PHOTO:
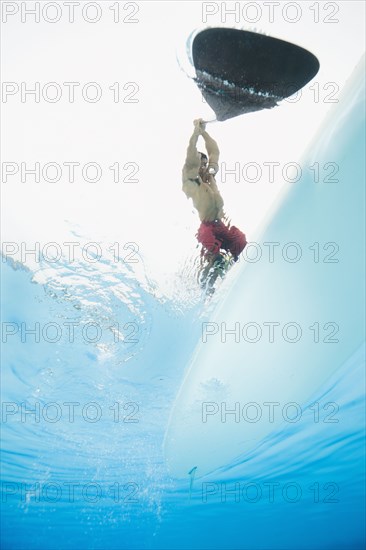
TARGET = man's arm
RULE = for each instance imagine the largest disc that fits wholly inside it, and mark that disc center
(192, 164)
(212, 150)
(193, 159)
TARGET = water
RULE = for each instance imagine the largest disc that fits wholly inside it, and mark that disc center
(86, 470)
(86, 402)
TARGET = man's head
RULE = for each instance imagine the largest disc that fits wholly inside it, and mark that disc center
(204, 162)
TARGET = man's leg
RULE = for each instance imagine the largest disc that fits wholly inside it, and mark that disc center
(210, 252)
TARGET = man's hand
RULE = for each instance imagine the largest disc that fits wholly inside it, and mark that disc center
(199, 125)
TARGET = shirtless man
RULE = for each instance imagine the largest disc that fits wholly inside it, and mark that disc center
(199, 184)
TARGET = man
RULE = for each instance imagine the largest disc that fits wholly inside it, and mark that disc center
(199, 184)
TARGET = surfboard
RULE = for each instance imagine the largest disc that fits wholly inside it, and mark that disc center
(285, 326)
(240, 71)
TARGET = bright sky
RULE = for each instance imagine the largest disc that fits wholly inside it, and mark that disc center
(148, 132)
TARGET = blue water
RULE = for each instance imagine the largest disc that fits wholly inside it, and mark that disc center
(86, 470)
(129, 500)
(321, 460)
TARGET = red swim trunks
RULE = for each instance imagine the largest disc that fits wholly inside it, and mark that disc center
(215, 235)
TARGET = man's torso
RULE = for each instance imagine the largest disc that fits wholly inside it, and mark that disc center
(206, 198)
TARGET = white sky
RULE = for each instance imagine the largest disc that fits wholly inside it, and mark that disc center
(153, 132)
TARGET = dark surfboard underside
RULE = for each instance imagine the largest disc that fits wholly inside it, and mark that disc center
(240, 71)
